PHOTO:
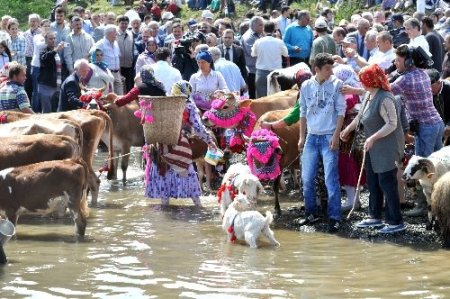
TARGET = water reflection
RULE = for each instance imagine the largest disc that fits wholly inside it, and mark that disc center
(134, 248)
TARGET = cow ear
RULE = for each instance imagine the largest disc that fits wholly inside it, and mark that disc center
(110, 97)
(245, 103)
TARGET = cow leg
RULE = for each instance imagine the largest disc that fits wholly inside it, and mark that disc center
(124, 161)
(208, 171)
(276, 189)
(79, 210)
(94, 185)
(115, 162)
(200, 172)
(12, 215)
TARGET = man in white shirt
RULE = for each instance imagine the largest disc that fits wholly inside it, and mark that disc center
(412, 28)
(229, 70)
(111, 54)
(283, 21)
(164, 72)
(268, 51)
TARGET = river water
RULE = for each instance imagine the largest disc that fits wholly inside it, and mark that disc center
(135, 249)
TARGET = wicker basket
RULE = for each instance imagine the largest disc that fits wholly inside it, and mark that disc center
(168, 115)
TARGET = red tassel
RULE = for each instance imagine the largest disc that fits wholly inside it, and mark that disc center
(230, 229)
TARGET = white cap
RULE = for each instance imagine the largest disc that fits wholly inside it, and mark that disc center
(320, 23)
(167, 15)
(207, 14)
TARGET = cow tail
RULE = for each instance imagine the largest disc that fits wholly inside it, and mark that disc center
(80, 137)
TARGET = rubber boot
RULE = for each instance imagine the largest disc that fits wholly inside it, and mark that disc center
(421, 206)
(348, 205)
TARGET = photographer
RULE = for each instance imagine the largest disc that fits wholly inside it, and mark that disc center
(414, 86)
(184, 57)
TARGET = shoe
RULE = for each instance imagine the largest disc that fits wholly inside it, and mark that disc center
(406, 205)
(370, 222)
(333, 226)
(391, 229)
(310, 219)
(416, 212)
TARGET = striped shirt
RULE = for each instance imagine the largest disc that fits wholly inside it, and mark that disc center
(13, 97)
(18, 47)
(415, 89)
(29, 44)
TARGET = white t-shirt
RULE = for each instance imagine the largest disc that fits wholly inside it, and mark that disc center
(39, 46)
(268, 51)
(421, 41)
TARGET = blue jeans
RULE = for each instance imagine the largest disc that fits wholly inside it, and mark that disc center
(316, 147)
(35, 102)
(429, 138)
(383, 186)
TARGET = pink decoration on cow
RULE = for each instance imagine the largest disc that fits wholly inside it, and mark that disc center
(263, 155)
(145, 113)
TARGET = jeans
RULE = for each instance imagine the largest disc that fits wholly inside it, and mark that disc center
(45, 95)
(429, 138)
(316, 147)
(383, 186)
(35, 102)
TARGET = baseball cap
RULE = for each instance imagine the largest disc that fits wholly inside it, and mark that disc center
(207, 14)
(192, 22)
(320, 24)
(167, 15)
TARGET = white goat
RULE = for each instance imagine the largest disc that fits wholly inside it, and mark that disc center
(238, 180)
(247, 225)
(427, 171)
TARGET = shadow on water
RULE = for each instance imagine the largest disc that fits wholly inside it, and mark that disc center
(52, 237)
(183, 212)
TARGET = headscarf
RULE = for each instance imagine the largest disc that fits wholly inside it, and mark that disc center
(374, 77)
(148, 77)
(204, 55)
(347, 75)
(101, 65)
(181, 87)
(301, 76)
(147, 52)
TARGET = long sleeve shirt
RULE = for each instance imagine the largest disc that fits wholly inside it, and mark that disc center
(78, 46)
(301, 37)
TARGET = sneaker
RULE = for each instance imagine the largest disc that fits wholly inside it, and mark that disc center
(310, 219)
(391, 229)
(370, 222)
(333, 226)
(416, 212)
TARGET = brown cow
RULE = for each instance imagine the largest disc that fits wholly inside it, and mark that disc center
(93, 123)
(29, 149)
(278, 101)
(33, 186)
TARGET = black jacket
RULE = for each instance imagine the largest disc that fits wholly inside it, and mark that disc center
(69, 97)
(48, 74)
(238, 58)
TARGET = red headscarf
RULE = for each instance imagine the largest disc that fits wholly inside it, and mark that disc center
(373, 76)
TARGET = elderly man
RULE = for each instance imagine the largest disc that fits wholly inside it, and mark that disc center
(78, 44)
(12, 94)
(299, 38)
(229, 71)
(441, 97)
(362, 28)
(111, 54)
(412, 27)
(247, 41)
(69, 97)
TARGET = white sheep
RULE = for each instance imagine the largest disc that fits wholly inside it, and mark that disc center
(427, 171)
(440, 205)
(241, 224)
(238, 180)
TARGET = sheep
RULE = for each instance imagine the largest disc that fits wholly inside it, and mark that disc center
(440, 206)
(238, 179)
(241, 224)
(427, 171)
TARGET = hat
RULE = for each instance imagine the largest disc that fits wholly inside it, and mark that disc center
(433, 74)
(167, 15)
(320, 24)
(207, 14)
(192, 22)
(350, 40)
(397, 17)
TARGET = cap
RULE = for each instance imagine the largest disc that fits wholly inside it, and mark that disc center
(207, 14)
(167, 15)
(320, 24)
(397, 17)
(192, 22)
(350, 40)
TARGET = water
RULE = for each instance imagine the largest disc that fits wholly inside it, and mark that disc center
(135, 249)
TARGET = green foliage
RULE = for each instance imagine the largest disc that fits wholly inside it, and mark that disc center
(20, 9)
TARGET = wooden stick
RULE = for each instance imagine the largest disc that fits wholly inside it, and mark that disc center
(357, 186)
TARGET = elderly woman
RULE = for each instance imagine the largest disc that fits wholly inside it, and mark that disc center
(167, 177)
(380, 117)
(99, 76)
(148, 56)
(206, 81)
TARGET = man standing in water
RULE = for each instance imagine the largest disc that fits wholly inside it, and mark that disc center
(322, 110)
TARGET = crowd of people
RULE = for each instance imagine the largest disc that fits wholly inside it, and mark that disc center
(381, 74)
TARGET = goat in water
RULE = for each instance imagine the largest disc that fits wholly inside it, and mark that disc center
(247, 225)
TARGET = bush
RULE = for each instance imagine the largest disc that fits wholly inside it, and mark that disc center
(20, 9)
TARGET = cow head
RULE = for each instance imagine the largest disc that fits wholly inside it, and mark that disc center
(418, 168)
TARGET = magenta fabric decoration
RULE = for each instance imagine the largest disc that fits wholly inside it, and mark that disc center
(145, 113)
(264, 155)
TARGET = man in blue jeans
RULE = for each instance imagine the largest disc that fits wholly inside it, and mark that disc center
(322, 110)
